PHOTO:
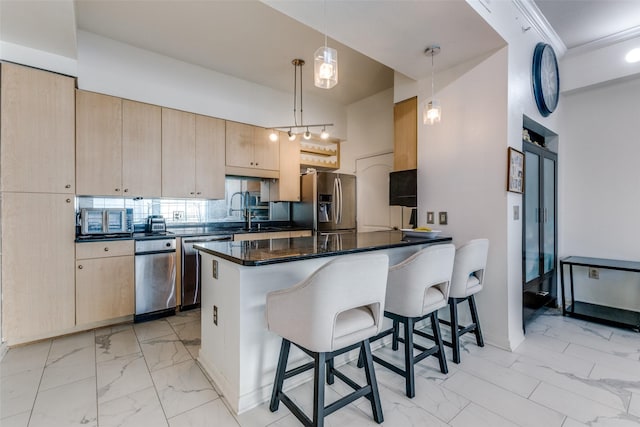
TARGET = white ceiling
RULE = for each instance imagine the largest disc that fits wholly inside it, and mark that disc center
(256, 41)
(595, 23)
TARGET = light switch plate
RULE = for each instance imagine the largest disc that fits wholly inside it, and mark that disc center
(442, 218)
(430, 218)
(516, 213)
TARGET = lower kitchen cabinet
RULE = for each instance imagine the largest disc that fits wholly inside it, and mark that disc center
(104, 281)
(38, 298)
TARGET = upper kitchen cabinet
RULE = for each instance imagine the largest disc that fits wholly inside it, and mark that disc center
(250, 152)
(141, 149)
(192, 155)
(118, 144)
(287, 187)
(36, 129)
(405, 134)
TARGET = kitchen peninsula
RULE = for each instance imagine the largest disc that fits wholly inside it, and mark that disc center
(237, 351)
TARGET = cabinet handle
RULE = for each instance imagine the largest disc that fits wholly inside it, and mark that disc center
(80, 267)
(68, 200)
(106, 249)
(67, 186)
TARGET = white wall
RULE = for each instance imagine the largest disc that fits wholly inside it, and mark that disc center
(114, 68)
(600, 204)
(461, 171)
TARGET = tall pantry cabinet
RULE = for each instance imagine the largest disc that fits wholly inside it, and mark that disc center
(37, 175)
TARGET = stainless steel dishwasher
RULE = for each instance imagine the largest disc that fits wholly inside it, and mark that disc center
(191, 269)
(155, 278)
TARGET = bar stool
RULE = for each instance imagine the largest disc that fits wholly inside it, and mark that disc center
(416, 288)
(466, 281)
(335, 310)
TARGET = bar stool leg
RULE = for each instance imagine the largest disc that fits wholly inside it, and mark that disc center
(280, 370)
(408, 358)
(318, 389)
(455, 332)
(474, 318)
(376, 407)
(435, 327)
(396, 332)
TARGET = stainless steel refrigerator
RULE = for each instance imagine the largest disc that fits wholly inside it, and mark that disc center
(327, 202)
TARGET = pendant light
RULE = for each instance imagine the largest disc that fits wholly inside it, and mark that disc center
(432, 111)
(325, 62)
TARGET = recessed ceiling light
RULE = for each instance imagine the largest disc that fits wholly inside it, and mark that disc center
(633, 55)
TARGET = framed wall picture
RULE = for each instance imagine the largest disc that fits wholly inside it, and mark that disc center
(515, 171)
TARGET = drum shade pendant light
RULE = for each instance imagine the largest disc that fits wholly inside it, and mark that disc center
(325, 62)
(291, 129)
(432, 111)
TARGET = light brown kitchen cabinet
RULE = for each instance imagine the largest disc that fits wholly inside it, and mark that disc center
(118, 145)
(104, 281)
(210, 157)
(141, 149)
(287, 187)
(37, 130)
(192, 155)
(38, 300)
(405, 134)
(250, 152)
(98, 144)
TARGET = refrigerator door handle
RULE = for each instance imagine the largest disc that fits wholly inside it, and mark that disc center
(339, 201)
(334, 201)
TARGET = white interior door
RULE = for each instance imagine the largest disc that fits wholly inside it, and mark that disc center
(374, 212)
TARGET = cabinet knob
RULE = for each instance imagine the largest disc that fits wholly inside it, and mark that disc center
(68, 200)
(198, 193)
(117, 189)
(106, 249)
(192, 193)
(126, 190)
(251, 163)
(67, 186)
(80, 267)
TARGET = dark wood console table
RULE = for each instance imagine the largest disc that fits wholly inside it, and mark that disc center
(595, 312)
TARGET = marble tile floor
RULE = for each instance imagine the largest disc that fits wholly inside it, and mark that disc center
(567, 373)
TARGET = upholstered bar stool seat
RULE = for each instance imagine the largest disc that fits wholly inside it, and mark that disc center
(335, 310)
(416, 288)
(466, 281)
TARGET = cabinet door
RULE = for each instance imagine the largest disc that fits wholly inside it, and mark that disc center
(37, 265)
(287, 187)
(104, 288)
(239, 145)
(266, 153)
(178, 153)
(210, 159)
(141, 149)
(37, 129)
(98, 144)
(405, 134)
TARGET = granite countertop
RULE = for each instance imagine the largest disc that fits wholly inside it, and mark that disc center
(272, 251)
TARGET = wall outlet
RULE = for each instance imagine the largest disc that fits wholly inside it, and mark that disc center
(178, 215)
(215, 315)
(516, 213)
(594, 273)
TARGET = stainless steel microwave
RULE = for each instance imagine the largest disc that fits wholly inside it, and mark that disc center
(103, 221)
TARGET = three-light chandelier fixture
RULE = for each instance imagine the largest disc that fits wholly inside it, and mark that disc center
(296, 127)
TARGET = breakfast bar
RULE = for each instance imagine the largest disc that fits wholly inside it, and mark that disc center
(237, 351)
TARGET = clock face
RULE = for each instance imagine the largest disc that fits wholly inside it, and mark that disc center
(546, 79)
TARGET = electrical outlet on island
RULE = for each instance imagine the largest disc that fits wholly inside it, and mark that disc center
(594, 273)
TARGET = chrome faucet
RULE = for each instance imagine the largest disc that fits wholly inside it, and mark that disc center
(247, 210)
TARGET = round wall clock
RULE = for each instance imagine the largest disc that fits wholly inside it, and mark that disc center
(546, 79)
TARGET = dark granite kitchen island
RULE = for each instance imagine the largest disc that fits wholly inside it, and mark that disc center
(237, 350)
